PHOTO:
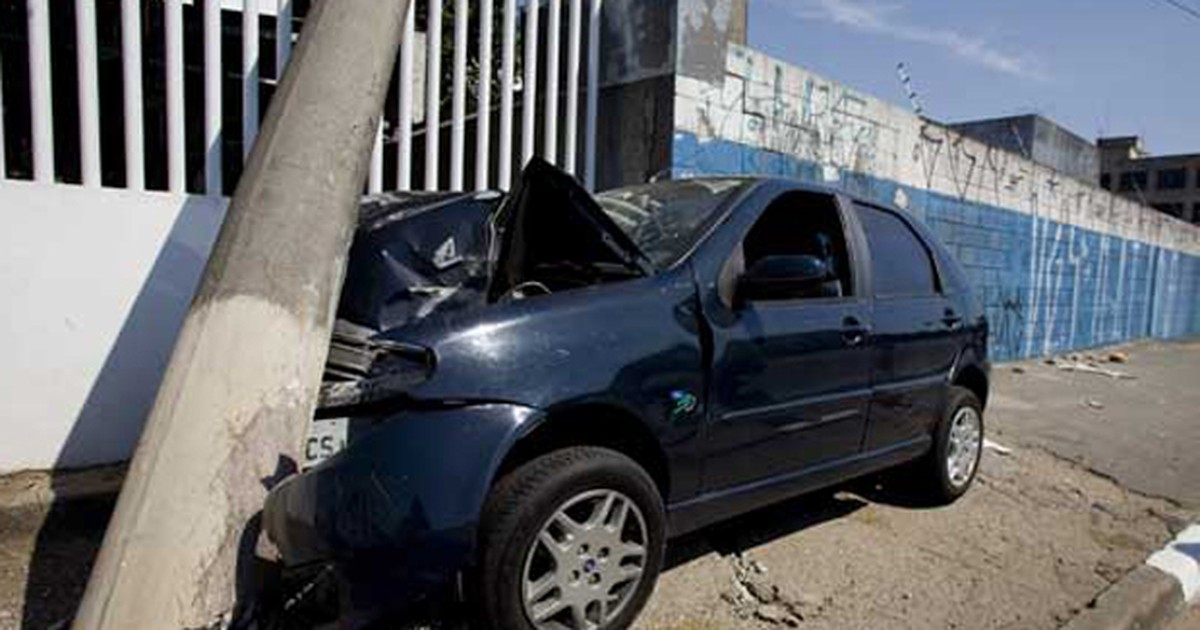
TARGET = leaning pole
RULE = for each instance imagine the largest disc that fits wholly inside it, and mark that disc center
(242, 381)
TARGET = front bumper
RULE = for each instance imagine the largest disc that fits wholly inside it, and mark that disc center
(396, 512)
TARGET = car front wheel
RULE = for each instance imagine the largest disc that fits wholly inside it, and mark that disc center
(573, 539)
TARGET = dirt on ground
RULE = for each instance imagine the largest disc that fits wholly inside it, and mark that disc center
(1045, 530)
(1033, 543)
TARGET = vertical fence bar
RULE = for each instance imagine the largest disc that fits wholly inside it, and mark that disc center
(483, 121)
(89, 92)
(433, 88)
(529, 83)
(508, 62)
(550, 114)
(458, 121)
(249, 75)
(176, 168)
(212, 97)
(131, 77)
(593, 93)
(3, 166)
(40, 94)
(375, 176)
(574, 41)
(404, 117)
(41, 97)
(283, 36)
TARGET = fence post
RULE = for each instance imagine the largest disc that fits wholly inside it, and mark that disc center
(529, 83)
(213, 135)
(433, 88)
(458, 108)
(574, 41)
(550, 114)
(404, 117)
(483, 124)
(508, 64)
(250, 74)
(593, 93)
(41, 96)
(176, 165)
(89, 92)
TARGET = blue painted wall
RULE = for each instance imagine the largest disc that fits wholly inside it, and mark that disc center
(1048, 287)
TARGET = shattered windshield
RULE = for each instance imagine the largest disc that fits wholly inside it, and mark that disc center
(665, 219)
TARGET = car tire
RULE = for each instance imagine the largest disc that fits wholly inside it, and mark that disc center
(951, 466)
(555, 520)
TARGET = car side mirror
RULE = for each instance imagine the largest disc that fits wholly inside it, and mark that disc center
(783, 277)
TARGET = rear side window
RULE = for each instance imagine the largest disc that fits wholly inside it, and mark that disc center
(900, 262)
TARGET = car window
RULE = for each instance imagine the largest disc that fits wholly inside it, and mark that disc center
(900, 262)
(665, 219)
(803, 224)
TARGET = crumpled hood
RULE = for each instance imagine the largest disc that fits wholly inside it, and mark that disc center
(419, 255)
(416, 254)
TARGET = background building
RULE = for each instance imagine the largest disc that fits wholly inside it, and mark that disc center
(1168, 183)
(1038, 139)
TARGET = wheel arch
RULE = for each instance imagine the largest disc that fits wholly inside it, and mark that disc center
(603, 425)
(974, 378)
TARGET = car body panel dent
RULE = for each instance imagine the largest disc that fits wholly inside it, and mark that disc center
(399, 505)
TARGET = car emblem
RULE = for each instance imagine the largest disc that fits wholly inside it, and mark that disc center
(685, 404)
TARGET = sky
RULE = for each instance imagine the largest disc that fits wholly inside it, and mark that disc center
(1097, 67)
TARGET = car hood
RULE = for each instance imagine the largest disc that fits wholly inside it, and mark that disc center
(417, 256)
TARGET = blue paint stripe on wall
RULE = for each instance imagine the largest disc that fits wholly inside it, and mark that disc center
(1082, 289)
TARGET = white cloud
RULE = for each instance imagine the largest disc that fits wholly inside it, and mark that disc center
(887, 19)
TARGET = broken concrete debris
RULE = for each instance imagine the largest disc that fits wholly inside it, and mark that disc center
(1118, 357)
(1089, 367)
(754, 596)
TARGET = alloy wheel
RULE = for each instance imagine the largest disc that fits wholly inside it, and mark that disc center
(585, 563)
(965, 440)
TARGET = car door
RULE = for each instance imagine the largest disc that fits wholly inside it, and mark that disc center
(915, 330)
(790, 375)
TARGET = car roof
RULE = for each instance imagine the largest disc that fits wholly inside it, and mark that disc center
(755, 180)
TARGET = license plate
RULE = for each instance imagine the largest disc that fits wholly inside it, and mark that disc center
(325, 438)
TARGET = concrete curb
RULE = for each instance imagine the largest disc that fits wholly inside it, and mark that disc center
(1151, 595)
(1145, 598)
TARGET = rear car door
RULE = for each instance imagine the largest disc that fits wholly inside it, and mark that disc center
(915, 330)
(790, 375)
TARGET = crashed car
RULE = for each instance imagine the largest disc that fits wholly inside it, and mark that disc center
(527, 395)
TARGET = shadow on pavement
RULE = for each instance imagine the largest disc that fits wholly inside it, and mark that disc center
(66, 547)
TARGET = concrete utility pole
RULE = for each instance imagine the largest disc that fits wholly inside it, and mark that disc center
(242, 381)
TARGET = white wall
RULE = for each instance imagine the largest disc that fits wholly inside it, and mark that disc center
(95, 284)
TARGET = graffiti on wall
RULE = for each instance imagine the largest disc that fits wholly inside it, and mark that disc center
(1059, 263)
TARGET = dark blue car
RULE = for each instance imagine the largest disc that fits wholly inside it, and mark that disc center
(528, 395)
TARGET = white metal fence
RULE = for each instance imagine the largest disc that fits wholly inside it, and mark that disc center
(477, 150)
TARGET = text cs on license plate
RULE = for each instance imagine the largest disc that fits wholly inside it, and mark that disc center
(325, 438)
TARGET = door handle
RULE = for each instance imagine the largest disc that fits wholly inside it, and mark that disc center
(853, 331)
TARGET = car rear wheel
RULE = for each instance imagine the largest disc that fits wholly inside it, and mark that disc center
(571, 540)
(958, 444)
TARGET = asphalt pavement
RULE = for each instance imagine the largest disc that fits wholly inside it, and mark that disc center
(1143, 430)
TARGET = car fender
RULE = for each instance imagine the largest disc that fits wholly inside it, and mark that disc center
(403, 502)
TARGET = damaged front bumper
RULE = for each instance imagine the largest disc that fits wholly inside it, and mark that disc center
(395, 513)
